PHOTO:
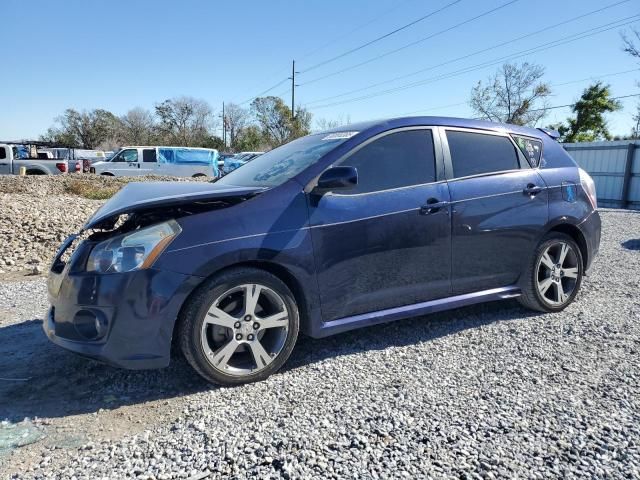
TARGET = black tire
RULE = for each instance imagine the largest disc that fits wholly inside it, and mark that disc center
(531, 296)
(192, 317)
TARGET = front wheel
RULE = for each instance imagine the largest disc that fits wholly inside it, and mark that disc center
(239, 327)
(554, 275)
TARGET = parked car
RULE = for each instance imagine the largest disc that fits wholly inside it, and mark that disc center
(13, 157)
(177, 161)
(319, 236)
(237, 160)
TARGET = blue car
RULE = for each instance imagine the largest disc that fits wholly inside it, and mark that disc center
(239, 159)
(356, 226)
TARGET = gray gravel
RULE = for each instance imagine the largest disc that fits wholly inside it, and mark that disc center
(491, 391)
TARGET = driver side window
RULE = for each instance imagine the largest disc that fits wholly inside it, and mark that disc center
(396, 160)
(130, 155)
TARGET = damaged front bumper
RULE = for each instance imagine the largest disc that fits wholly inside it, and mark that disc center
(123, 319)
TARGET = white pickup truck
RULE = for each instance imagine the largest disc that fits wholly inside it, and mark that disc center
(43, 163)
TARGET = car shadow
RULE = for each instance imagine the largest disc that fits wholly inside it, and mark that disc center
(39, 379)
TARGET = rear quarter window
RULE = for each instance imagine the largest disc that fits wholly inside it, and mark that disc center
(531, 148)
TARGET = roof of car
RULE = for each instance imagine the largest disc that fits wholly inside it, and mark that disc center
(435, 121)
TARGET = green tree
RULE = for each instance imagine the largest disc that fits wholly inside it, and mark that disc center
(588, 123)
(250, 139)
(275, 121)
(137, 127)
(86, 129)
(514, 94)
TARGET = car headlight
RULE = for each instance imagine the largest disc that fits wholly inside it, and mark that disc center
(133, 250)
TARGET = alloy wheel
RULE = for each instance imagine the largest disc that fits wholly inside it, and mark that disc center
(245, 329)
(557, 273)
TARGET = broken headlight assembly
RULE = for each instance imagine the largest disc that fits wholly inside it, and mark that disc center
(134, 250)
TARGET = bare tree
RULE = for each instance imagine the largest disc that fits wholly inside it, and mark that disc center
(236, 119)
(324, 124)
(514, 94)
(632, 43)
(185, 121)
(136, 127)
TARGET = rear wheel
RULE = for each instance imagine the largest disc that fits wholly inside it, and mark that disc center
(554, 275)
(239, 327)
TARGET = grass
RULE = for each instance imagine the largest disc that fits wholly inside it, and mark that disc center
(91, 190)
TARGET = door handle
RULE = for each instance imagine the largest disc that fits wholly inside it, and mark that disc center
(3, 164)
(433, 205)
(532, 189)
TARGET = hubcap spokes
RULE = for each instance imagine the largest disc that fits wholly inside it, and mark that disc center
(557, 273)
(245, 329)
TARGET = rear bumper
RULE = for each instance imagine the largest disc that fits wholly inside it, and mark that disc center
(591, 228)
(123, 319)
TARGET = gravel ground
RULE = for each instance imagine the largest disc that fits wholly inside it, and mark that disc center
(37, 213)
(490, 391)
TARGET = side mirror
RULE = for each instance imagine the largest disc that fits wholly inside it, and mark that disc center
(337, 178)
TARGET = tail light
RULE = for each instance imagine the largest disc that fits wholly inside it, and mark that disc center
(78, 167)
(589, 187)
(62, 167)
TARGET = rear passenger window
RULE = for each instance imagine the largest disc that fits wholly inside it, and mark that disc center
(396, 160)
(530, 148)
(149, 155)
(478, 153)
(3, 153)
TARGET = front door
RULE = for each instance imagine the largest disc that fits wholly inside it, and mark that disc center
(379, 245)
(126, 163)
(499, 207)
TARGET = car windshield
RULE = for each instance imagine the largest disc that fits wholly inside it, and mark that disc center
(280, 164)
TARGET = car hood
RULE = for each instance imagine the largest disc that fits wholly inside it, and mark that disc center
(141, 196)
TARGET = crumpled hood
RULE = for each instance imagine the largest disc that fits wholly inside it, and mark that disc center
(139, 196)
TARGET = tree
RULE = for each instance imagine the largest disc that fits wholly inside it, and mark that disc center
(251, 140)
(235, 121)
(514, 94)
(137, 127)
(274, 119)
(630, 45)
(86, 129)
(323, 124)
(588, 123)
(184, 121)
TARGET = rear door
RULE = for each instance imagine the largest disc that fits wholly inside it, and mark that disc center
(149, 164)
(377, 246)
(499, 207)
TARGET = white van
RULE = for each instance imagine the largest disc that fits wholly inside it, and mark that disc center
(174, 161)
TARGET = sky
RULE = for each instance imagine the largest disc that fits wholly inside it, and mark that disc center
(118, 54)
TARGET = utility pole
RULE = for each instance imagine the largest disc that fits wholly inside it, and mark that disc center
(293, 90)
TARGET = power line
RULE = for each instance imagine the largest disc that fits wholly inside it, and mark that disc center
(440, 107)
(598, 76)
(424, 39)
(574, 104)
(266, 91)
(359, 27)
(546, 46)
(477, 52)
(386, 35)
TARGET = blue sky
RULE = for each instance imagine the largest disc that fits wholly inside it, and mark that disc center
(121, 54)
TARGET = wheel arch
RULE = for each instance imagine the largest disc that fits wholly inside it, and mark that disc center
(280, 271)
(576, 234)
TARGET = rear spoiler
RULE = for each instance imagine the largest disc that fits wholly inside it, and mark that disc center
(552, 133)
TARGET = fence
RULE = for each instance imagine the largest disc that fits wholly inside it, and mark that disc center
(615, 169)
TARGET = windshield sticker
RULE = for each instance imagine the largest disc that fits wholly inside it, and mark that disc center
(339, 135)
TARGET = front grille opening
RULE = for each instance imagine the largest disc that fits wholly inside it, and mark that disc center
(632, 244)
